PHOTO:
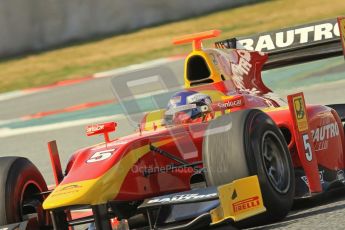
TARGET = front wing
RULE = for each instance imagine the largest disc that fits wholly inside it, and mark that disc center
(228, 203)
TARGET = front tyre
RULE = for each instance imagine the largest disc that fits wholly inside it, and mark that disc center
(249, 143)
(20, 185)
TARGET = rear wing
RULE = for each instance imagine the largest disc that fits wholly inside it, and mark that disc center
(295, 45)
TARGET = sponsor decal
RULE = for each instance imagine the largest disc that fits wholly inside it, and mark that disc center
(94, 128)
(323, 134)
(73, 186)
(67, 190)
(300, 113)
(245, 205)
(241, 70)
(184, 197)
(321, 173)
(244, 66)
(292, 37)
(230, 104)
(100, 128)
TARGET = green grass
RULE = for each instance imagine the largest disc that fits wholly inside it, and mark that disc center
(78, 60)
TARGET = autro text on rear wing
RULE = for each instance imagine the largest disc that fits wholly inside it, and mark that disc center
(295, 45)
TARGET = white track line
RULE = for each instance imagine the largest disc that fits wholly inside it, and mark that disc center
(13, 94)
(7, 132)
(126, 69)
(5, 122)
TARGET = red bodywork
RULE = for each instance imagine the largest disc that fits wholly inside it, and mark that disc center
(137, 172)
(145, 180)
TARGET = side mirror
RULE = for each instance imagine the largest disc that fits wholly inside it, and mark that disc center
(104, 128)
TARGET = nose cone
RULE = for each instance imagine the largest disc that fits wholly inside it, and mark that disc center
(83, 192)
(105, 185)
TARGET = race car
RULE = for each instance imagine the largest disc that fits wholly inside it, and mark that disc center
(225, 150)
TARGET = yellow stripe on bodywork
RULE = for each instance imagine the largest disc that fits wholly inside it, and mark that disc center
(271, 109)
(215, 95)
(154, 118)
(101, 189)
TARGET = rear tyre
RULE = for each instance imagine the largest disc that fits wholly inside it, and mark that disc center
(249, 143)
(20, 185)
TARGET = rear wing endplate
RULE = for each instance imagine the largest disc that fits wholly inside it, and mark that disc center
(295, 45)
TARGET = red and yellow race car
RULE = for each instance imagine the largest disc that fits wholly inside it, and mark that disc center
(224, 150)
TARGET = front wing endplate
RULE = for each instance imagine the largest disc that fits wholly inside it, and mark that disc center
(239, 200)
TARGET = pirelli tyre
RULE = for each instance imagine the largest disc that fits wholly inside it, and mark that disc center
(20, 187)
(246, 143)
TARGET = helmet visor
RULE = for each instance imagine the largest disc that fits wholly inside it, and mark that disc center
(183, 112)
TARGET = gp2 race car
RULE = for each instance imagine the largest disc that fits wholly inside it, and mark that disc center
(225, 150)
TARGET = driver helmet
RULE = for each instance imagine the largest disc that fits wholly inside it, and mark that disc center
(187, 106)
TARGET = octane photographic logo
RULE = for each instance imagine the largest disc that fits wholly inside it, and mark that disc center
(144, 90)
(150, 89)
(148, 170)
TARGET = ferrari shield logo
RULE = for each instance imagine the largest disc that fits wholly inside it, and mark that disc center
(300, 113)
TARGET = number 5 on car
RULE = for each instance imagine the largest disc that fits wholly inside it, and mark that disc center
(303, 139)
